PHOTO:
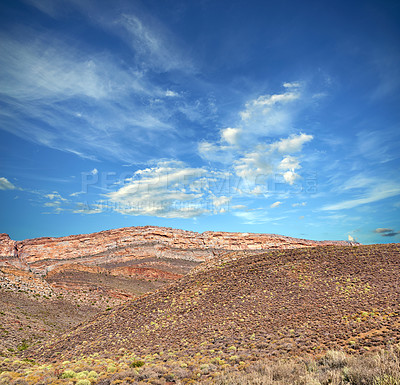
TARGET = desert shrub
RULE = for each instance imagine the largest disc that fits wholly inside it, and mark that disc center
(68, 374)
(5, 378)
(379, 369)
(289, 372)
(148, 372)
(136, 364)
(334, 359)
(83, 374)
(181, 373)
(335, 368)
(132, 373)
(24, 345)
(261, 367)
(386, 380)
(84, 382)
(111, 368)
(104, 381)
(92, 374)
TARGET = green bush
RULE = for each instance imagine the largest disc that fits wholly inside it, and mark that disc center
(68, 374)
(83, 382)
(136, 364)
(92, 374)
(24, 345)
(83, 374)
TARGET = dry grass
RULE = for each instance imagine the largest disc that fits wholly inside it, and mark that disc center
(335, 368)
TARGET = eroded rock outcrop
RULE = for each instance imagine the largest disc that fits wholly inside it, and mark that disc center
(120, 246)
(9, 256)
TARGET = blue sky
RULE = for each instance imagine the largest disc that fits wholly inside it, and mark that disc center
(253, 116)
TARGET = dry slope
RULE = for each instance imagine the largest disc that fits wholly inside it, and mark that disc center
(275, 303)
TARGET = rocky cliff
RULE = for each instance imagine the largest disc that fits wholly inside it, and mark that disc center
(119, 247)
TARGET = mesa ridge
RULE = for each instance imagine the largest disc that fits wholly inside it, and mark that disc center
(120, 246)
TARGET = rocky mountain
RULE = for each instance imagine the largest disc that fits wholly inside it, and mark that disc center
(101, 270)
(120, 247)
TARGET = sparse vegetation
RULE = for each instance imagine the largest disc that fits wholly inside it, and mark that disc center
(276, 304)
(315, 316)
(333, 368)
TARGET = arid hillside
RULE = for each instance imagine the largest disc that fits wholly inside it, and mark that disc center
(278, 303)
(33, 308)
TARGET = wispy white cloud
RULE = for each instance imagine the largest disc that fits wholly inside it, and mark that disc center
(255, 165)
(299, 204)
(275, 204)
(221, 200)
(253, 217)
(88, 209)
(292, 84)
(256, 216)
(377, 146)
(151, 41)
(216, 153)
(270, 115)
(85, 104)
(289, 163)
(171, 94)
(247, 144)
(381, 230)
(52, 8)
(54, 196)
(155, 47)
(45, 67)
(5, 184)
(373, 190)
(54, 201)
(294, 143)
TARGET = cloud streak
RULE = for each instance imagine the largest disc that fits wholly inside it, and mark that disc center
(5, 184)
(94, 104)
(373, 192)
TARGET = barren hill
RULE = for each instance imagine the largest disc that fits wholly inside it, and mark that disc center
(282, 302)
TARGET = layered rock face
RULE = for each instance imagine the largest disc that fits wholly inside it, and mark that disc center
(9, 253)
(119, 247)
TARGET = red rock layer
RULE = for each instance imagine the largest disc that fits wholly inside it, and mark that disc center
(131, 243)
